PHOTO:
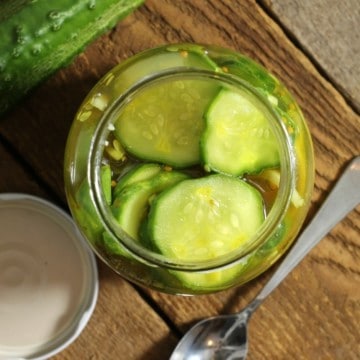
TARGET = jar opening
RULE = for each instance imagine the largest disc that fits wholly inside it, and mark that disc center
(178, 77)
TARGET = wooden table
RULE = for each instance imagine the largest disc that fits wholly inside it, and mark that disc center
(313, 47)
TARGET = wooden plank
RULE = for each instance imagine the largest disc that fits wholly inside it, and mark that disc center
(329, 31)
(321, 298)
(123, 326)
(16, 178)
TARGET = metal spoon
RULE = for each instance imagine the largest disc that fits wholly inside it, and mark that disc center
(225, 336)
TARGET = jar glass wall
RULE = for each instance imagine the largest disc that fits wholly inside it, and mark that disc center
(155, 129)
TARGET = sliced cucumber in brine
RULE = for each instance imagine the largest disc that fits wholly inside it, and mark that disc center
(84, 208)
(163, 123)
(238, 138)
(105, 176)
(136, 174)
(201, 219)
(130, 205)
(251, 72)
(174, 56)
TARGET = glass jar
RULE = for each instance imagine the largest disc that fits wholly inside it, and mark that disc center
(152, 112)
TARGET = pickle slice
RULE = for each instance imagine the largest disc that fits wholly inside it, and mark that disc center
(131, 204)
(201, 219)
(163, 123)
(238, 138)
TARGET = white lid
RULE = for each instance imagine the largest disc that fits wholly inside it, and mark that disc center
(48, 278)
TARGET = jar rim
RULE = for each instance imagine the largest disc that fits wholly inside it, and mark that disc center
(272, 220)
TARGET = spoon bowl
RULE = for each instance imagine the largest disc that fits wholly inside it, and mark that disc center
(218, 337)
(224, 337)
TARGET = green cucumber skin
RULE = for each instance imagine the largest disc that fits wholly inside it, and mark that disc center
(37, 37)
(253, 154)
(136, 174)
(130, 205)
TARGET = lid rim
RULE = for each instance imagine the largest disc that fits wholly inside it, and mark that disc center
(89, 295)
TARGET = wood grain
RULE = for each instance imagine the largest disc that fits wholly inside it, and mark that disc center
(315, 314)
(123, 326)
(15, 177)
(329, 32)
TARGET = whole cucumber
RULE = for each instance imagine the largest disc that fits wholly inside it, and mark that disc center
(37, 37)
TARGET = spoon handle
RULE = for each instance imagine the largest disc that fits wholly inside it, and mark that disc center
(344, 197)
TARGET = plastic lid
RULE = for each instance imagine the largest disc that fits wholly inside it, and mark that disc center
(48, 278)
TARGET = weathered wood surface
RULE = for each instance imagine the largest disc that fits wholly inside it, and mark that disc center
(315, 313)
(329, 32)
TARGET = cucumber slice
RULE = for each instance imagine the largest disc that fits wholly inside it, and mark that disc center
(131, 205)
(238, 138)
(215, 280)
(200, 219)
(164, 122)
(252, 72)
(136, 174)
(84, 210)
(111, 246)
(105, 176)
(174, 56)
